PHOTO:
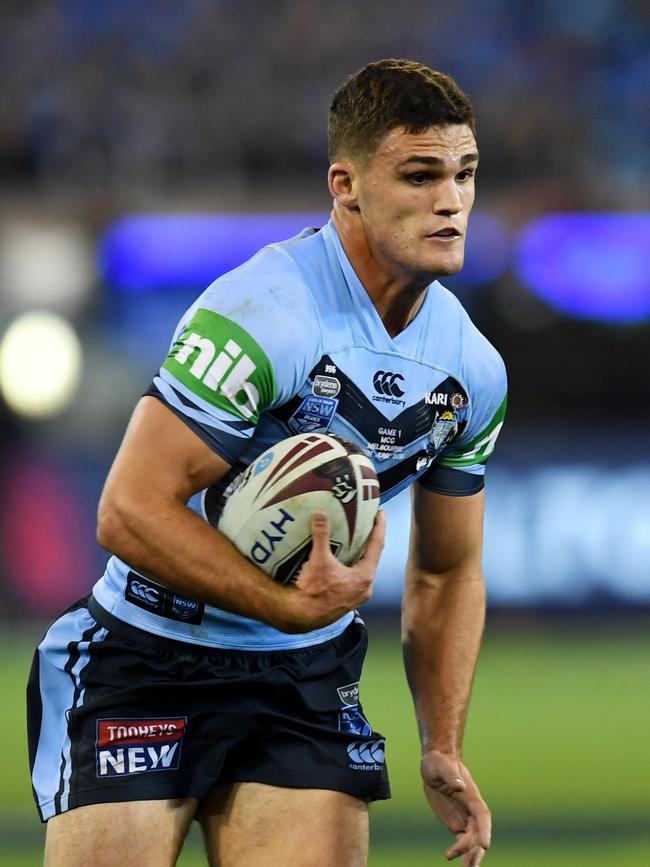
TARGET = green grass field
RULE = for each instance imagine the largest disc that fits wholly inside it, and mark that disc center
(557, 738)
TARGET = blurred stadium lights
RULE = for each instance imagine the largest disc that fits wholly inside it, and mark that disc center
(592, 266)
(160, 251)
(163, 251)
(45, 265)
(40, 364)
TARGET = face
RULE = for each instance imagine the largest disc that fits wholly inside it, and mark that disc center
(415, 195)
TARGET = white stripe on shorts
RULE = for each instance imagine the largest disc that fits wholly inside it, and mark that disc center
(61, 691)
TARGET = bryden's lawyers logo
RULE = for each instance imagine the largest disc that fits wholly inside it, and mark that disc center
(217, 359)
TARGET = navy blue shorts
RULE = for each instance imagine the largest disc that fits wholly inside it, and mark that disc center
(118, 714)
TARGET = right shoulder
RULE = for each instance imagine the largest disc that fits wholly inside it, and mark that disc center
(264, 310)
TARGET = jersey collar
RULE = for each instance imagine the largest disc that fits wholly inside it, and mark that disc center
(365, 319)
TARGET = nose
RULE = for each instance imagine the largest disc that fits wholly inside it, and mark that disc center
(447, 200)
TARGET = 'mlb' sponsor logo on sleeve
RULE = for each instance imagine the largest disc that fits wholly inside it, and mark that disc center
(132, 746)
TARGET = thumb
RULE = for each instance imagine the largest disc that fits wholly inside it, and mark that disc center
(320, 533)
(442, 773)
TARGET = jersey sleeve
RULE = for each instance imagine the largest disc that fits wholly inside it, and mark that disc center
(245, 346)
(459, 470)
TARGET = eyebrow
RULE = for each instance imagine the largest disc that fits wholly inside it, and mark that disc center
(438, 162)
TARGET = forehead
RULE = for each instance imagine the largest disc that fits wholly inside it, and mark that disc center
(449, 143)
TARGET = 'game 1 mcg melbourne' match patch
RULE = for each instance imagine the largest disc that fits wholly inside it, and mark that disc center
(131, 746)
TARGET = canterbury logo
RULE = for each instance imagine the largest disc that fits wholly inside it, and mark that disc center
(367, 752)
(147, 594)
(228, 372)
(386, 383)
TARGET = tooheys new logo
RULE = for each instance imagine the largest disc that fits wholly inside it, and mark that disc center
(220, 362)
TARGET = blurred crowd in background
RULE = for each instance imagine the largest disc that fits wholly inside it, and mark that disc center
(157, 96)
(110, 109)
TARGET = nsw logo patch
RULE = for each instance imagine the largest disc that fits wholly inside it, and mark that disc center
(351, 719)
(353, 722)
(313, 414)
(134, 746)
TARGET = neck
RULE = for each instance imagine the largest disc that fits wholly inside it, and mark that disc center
(396, 294)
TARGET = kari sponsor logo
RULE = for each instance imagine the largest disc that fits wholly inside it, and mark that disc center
(436, 398)
(133, 746)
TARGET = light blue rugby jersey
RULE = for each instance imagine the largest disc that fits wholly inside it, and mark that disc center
(290, 343)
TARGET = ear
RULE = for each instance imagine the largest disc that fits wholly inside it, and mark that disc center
(341, 182)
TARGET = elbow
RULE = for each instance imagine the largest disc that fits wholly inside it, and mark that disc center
(423, 582)
(107, 529)
(114, 527)
(418, 581)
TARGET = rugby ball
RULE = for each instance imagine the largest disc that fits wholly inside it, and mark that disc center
(268, 508)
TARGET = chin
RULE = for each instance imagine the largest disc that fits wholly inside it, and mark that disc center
(447, 267)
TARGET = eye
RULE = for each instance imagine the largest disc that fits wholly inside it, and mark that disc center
(418, 178)
(465, 175)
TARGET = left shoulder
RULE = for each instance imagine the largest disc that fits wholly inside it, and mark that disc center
(479, 362)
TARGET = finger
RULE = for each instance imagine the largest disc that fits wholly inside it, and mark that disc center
(483, 827)
(474, 857)
(464, 843)
(376, 541)
(320, 534)
(480, 816)
(449, 811)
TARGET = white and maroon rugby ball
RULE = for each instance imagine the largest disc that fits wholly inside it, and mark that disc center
(268, 514)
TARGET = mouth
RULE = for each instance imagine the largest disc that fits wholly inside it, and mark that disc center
(449, 233)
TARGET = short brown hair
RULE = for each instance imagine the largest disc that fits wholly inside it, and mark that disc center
(391, 93)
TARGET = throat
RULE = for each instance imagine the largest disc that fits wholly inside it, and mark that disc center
(396, 313)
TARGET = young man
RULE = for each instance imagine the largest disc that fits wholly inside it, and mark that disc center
(189, 685)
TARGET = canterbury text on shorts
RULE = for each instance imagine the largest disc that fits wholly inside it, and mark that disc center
(117, 714)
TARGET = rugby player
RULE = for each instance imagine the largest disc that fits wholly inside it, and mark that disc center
(189, 685)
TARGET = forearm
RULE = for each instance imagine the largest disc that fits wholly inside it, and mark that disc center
(173, 545)
(442, 624)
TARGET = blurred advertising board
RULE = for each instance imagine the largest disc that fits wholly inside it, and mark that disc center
(567, 533)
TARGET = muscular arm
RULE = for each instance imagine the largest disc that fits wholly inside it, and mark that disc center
(443, 615)
(144, 519)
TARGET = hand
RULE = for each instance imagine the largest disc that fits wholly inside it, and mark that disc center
(454, 797)
(326, 589)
